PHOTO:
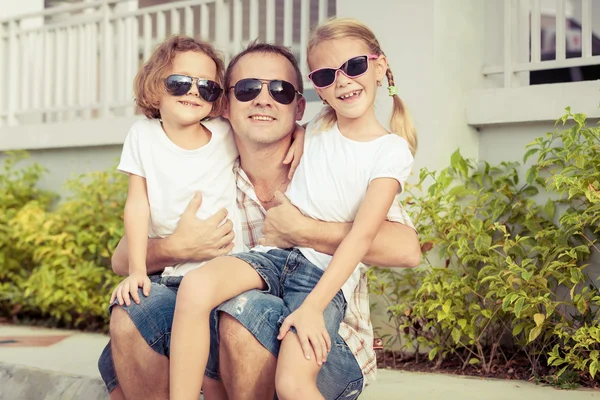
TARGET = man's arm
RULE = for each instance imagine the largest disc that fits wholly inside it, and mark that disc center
(395, 246)
(193, 240)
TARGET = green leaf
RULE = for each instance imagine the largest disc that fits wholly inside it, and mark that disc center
(446, 306)
(593, 369)
(532, 174)
(519, 306)
(517, 329)
(462, 322)
(529, 153)
(433, 353)
(535, 332)
(539, 319)
(550, 208)
(456, 335)
(474, 361)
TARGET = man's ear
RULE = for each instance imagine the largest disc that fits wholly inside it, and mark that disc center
(300, 108)
(226, 109)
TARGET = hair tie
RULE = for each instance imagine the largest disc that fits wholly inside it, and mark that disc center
(392, 90)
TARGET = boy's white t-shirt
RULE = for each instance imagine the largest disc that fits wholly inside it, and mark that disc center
(333, 176)
(174, 174)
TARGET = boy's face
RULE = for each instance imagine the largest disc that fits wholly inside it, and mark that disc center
(263, 120)
(190, 108)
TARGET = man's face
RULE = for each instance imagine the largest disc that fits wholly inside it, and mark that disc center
(263, 120)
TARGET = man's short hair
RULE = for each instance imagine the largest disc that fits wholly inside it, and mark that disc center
(265, 48)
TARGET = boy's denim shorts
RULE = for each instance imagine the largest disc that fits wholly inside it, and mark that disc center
(261, 312)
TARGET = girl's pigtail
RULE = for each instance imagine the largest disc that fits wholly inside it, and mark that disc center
(400, 122)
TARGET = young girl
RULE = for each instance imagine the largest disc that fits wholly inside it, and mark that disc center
(182, 149)
(351, 170)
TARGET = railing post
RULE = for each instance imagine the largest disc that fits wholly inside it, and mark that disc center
(222, 41)
(106, 57)
(13, 78)
(508, 43)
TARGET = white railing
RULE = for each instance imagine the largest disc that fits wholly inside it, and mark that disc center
(78, 61)
(523, 44)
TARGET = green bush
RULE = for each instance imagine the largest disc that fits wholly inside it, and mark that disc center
(63, 256)
(506, 276)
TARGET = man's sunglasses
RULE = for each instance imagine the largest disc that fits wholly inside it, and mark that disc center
(178, 85)
(281, 91)
(353, 68)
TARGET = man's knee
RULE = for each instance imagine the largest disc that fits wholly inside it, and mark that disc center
(121, 326)
(232, 332)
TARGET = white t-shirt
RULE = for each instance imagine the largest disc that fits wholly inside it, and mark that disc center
(174, 174)
(333, 176)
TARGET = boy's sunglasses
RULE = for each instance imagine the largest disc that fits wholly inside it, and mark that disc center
(353, 68)
(281, 91)
(178, 85)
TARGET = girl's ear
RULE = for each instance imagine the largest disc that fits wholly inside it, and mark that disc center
(381, 67)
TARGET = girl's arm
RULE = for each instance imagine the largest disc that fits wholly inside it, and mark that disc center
(370, 216)
(137, 215)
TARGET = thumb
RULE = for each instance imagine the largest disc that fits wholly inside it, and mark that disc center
(280, 198)
(194, 204)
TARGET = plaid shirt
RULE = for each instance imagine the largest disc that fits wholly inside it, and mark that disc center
(356, 328)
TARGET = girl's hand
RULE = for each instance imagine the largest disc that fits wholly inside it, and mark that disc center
(310, 327)
(129, 287)
(296, 150)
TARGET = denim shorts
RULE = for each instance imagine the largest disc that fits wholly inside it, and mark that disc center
(290, 277)
(153, 318)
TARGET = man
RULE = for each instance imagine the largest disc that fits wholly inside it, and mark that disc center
(243, 352)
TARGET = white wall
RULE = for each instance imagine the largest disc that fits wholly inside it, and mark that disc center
(11, 8)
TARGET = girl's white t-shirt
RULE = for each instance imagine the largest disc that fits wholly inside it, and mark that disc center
(333, 176)
(174, 174)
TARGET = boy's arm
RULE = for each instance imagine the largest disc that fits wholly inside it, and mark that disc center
(193, 240)
(396, 245)
(137, 215)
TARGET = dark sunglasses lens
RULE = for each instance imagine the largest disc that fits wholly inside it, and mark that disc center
(324, 77)
(247, 89)
(178, 85)
(356, 66)
(209, 90)
(283, 92)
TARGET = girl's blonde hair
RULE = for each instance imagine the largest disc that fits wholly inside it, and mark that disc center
(149, 83)
(348, 28)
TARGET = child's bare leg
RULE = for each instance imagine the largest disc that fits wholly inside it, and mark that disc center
(202, 290)
(296, 377)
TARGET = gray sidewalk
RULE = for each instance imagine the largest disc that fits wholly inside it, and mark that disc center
(62, 365)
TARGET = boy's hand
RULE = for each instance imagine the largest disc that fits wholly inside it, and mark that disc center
(296, 150)
(129, 287)
(310, 327)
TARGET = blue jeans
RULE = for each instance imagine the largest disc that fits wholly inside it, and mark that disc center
(290, 277)
(259, 312)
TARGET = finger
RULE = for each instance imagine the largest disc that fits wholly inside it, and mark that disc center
(315, 341)
(226, 250)
(293, 169)
(133, 290)
(225, 240)
(113, 296)
(125, 295)
(217, 218)
(305, 344)
(225, 229)
(285, 327)
(146, 287)
(289, 156)
(194, 204)
(327, 341)
(120, 295)
(323, 346)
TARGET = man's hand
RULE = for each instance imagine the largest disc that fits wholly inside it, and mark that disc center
(201, 240)
(283, 225)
